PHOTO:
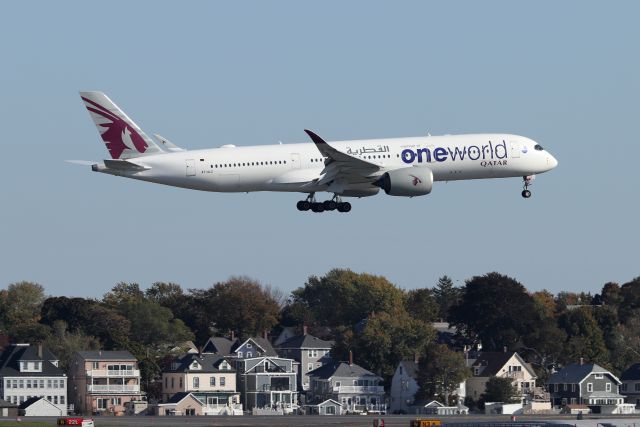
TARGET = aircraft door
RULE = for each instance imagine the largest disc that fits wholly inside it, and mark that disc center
(191, 167)
(295, 161)
(515, 149)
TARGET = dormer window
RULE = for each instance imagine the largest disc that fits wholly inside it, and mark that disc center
(38, 366)
(195, 365)
(240, 354)
(248, 345)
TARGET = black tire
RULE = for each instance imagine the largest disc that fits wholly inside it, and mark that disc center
(300, 205)
(346, 207)
(330, 205)
(526, 194)
(320, 208)
(305, 205)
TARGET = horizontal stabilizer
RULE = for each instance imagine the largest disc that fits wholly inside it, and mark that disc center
(81, 162)
(124, 165)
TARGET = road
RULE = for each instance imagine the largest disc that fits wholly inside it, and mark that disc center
(345, 421)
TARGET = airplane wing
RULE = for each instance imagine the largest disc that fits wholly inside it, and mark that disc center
(342, 166)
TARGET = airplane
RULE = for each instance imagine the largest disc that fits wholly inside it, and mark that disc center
(405, 167)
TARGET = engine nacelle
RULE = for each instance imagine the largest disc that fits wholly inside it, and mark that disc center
(408, 182)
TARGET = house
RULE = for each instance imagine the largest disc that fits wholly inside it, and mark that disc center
(7, 409)
(309, 351)
(40, 407)
(630, 387)
(183, 403)
(268, 382)
(436, 408)
(104, 381)
(357, 389)
(404, 386)
(240, 349)
(487, 364)
(28, 371)
(328, 407)
(210, 378)
(587, 384)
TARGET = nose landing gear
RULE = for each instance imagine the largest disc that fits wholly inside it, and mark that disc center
(528, 180)
(335, 203)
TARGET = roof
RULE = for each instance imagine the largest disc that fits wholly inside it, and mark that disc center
(178, 397)
(210, 363)
(261, 342)
(106, 355)
(31, 401)
(632, 373)
(575, 373)
(5, 404)
(340, 369)
(219, 345)
(410, 367)
(493, 361)
(306, 341)
(15, 353)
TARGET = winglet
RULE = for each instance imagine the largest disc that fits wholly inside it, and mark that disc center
(315, 138)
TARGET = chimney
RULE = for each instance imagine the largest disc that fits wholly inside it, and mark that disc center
(350, 358)
(100, 352)
(40, 350)
(233, 335)
(582, 360)
(304, 329)
(504, 349)
(264, 334)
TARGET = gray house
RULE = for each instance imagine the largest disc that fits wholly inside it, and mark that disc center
(630, 387)
(311, 352)
(267, 382)
(587, 384)
(357, 389)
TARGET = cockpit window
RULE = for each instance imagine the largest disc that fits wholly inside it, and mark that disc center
(538, 147)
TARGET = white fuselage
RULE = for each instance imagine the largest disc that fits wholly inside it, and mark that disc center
(294, 167)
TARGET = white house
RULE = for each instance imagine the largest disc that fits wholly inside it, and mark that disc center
(32, 371)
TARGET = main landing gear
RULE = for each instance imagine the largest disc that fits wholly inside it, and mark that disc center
(328, 205)
(527, 182)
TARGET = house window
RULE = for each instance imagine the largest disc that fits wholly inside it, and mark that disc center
(173, 382)
(564, 401)
(598, 376)
(240, 354)
(249, 354)
(248, 345)
(338, 385)
(624, 387)
(309, 366)
(212, 381)
(196, 382)
(96, 365)
(38, 366)
(180, 383)
(101, 404)
(223, 381)
(590, 387)
(637, 387)
(608, 387)
(564, 387)
(476, 371)
(55, 400)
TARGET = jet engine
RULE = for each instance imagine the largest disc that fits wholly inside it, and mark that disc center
(408, 182)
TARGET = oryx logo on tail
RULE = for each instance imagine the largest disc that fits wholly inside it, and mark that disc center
(117, 134)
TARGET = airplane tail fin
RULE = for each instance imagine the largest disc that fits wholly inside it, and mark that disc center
(123, 138)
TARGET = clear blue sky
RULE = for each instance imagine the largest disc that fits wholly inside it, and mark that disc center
(566, 74)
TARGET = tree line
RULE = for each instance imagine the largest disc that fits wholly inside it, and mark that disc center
(380, 323)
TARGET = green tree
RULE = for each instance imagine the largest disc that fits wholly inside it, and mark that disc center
(630, 300)
(242, 305)
(584, 336)
(387, 339)
(20, 307)
(343, 298)
(611, 294)
(446, 295)
(495, 309)
(152, 324)
(500, 389)
(441, 370)
(64, 344)
(123, 293)
(421, 304)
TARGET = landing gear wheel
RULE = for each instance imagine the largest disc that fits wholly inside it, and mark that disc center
(303, 205)
(526, 194)
(317, 207)
(528, 180)
(344, 207)
(330, 205)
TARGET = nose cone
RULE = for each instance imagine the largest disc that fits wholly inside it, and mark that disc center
(552, 162)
